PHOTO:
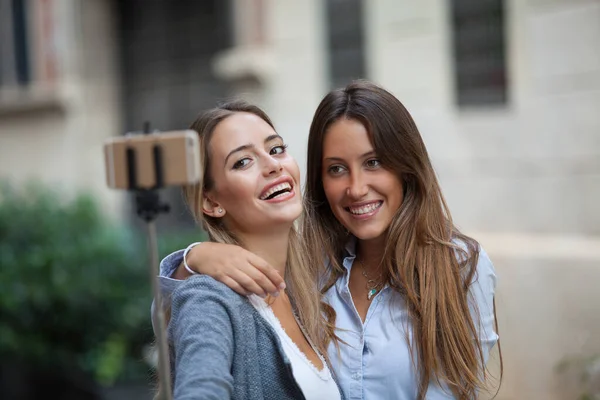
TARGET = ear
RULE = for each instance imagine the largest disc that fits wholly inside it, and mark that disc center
(212, 208)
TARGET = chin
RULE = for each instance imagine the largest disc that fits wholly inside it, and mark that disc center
(287, 217)
(279, 224)
(367, 234)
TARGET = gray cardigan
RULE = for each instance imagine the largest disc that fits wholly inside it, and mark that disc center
(221, 348)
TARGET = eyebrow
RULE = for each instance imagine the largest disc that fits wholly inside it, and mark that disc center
(250, 146)
(365, 155)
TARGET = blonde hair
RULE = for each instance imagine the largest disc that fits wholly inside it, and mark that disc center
(300, 279)
(420, 258)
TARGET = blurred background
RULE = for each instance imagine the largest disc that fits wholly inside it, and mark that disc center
(506, 95)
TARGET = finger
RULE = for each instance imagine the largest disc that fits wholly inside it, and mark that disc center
(233, 285)
(260, 279)
(247, 283)
(271, 273)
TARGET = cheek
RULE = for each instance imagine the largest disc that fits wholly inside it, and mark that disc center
(235, 192)
(292, 167)
(397, 193)
(334, 190)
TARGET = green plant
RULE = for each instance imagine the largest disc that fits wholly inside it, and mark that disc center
(74, 287)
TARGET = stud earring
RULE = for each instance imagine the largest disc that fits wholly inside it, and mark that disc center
(220, 210)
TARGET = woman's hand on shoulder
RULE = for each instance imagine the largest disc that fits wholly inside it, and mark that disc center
(241, 270)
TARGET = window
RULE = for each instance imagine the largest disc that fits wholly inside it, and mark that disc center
(26, 42)
(345, 38)
(14, 62)
(479, 54)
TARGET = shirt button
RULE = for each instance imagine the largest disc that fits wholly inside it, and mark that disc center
(356, 376)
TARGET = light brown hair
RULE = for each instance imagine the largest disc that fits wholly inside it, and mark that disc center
(300, 277)
(422, 259)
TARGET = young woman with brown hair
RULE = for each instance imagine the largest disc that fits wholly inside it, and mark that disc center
(412, 297)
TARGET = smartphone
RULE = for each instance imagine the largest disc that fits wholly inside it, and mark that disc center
(133, 161)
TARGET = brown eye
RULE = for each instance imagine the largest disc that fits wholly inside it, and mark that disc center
(278, 149)
(241, 163)
(335, 170)
(373, 163)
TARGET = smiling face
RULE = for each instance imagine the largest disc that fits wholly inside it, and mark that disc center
(255, 181)
(363, 195)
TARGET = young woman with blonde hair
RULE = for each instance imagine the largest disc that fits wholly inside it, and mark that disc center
(224, 345)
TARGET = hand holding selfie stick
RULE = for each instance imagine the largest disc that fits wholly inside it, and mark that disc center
(144, 164)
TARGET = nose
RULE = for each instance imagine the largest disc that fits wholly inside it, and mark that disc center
(272, 166)
(357, 187)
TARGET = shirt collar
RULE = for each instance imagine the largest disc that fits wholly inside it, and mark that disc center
(349, 258)
(350, 246)
(349, 253)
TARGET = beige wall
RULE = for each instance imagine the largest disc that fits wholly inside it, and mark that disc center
(540, 153)
(547, 309)
(55, 134)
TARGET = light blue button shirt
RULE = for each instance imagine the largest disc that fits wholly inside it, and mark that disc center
(375, 363)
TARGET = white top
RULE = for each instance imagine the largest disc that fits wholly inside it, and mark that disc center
(315, 384)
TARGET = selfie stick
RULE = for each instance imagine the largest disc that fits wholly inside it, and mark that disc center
(148, 207)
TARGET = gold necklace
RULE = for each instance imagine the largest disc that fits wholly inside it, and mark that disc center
(373, 285)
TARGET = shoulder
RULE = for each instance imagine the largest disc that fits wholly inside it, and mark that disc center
(202, 288)
(484, 269)
(170, 263)
(484, 264)
(203, 304)
(483, 283)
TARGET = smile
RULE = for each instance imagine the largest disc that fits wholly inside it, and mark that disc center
(364, 209)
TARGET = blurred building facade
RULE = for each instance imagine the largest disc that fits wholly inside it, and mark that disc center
(505, 93)
(59, 93)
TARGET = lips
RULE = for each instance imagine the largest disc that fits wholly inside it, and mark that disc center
(280, 187)
(364, 208)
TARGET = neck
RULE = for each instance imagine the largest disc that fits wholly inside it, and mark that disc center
(370, 252)
(272, 247)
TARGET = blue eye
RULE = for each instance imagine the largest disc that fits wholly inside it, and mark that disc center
(373, 163)
(278, 149)
(241, 163)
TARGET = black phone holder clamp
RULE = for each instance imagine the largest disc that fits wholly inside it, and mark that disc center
(148, 203)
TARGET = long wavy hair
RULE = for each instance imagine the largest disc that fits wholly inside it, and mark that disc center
(422, 259)
(299, 278)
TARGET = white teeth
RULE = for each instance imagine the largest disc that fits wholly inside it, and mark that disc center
(277, 188)
(367, 208)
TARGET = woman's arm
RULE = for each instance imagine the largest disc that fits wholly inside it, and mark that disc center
(241, 270)
(201, 333)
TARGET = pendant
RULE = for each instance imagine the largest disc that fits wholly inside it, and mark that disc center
(371, 293)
